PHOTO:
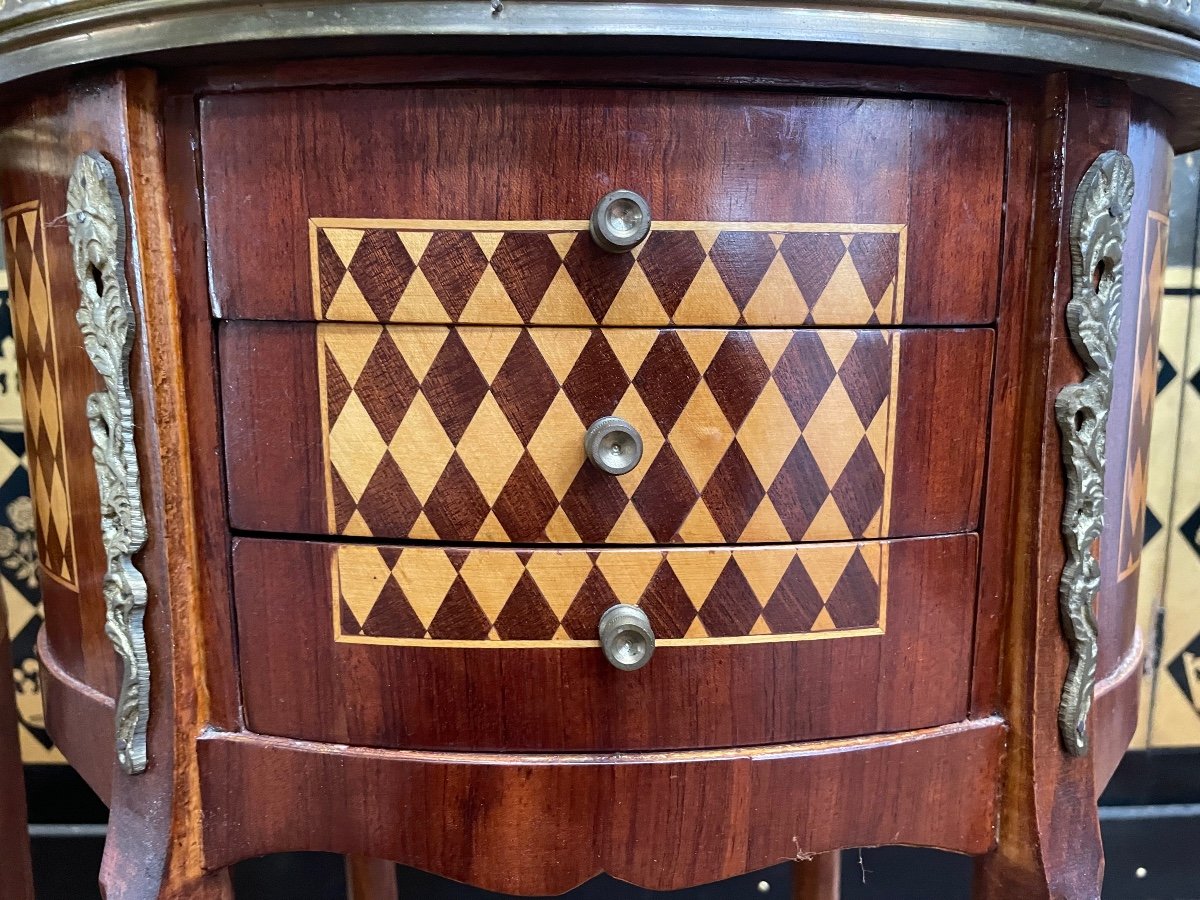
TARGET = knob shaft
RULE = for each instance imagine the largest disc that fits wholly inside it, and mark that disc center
(620, 221)
(626, 636)
(613, 445)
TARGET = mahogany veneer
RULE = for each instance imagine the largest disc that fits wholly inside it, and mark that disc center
(372, 331)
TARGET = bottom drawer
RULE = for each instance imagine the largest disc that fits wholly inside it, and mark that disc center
(497, 649)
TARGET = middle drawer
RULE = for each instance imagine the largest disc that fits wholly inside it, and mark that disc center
(476, 433)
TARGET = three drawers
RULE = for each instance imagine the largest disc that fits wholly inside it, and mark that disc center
(406, 400)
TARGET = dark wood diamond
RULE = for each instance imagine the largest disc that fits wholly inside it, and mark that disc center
(524, 387)
(866, 373)
(736, 376)
(50, 548)
(582, 621)
(597, 273)
(526, 504)
(741, 259)
(34, 370)
(665, 603)
(795, 603)
(386, 386)
(876, 259)
(392, 615)
(68, 558)
(330, 270)
(803, 374)
(37, 251)
(456, 508)
(457, 557)
(453, 263)
(799, 490)
(460, 617)
(381, 268)
(731, 608)
(526, 262)
(454, 386)
(665, 496)
(390, 555)
(337, 388)
(526, 615)
(667, 379)
(858, 491)
(44, 456)
(733, 492)
(597, 382)
(812, 259)
(671, 260)
(343, 502)
(593, 503)
(854, 600)
(22, 254)
(349, 624)
(388, 504)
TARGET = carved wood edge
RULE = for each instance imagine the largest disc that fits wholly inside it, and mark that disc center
(1099, 221)
(96, 221)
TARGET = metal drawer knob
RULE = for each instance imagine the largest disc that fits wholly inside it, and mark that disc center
(626, 636)
(620, 221)
(613, 445)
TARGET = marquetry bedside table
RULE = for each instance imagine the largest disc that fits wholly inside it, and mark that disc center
(658, 456)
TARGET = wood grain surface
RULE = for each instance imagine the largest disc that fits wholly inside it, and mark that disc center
(152, 847)
(542, 824)
(441, 459)
(33, 177)
(1135, 384)
(81, 720)
(1050, 843)
(914, 675)
(274, 160)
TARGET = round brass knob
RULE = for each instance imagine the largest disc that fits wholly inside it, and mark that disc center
(613, 445)
(620, 221)
(626, 636)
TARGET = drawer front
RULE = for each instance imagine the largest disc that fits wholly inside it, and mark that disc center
(477, 433)
(763, 645)
(554, 273)
(452, 204)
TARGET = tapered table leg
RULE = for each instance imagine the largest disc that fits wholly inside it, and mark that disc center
(370, 879)
(818, 878)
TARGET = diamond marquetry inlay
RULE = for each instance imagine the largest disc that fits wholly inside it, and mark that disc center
(552, 273)
(431, 596)
(33, 322)
(476, 433)
(1145, 372)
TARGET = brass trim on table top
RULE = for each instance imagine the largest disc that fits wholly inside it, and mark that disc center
(1154, 45)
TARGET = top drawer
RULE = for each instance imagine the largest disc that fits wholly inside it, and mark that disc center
(444, 205)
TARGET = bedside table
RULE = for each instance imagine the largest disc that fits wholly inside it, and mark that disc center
(526, 467)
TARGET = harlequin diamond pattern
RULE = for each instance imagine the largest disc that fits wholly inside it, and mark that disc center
(33, 321)
(430, 594)
(476, 434)
(685, 273)
(1145, 389)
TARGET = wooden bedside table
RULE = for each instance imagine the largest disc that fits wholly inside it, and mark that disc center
(527, 467)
